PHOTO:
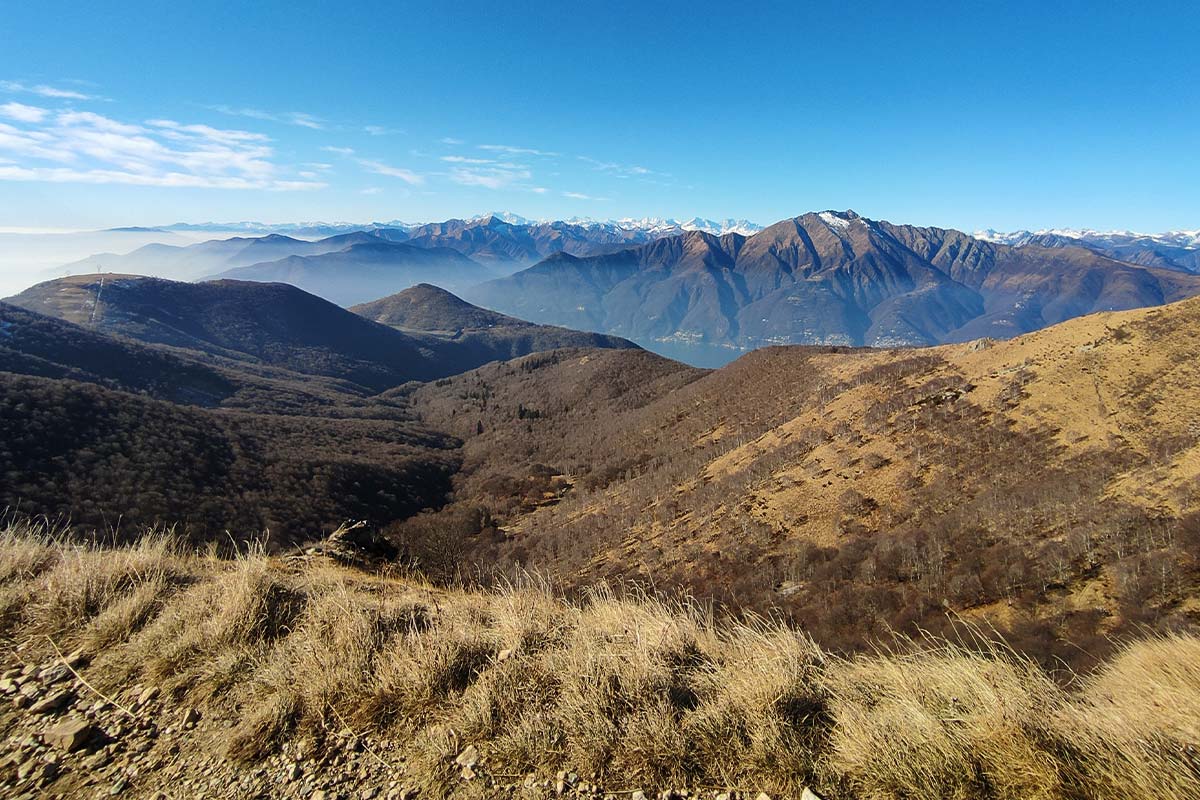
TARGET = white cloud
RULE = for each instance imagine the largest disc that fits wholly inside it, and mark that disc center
(84, 147)
(299, 118)
(516, 151)
(43, 90)
(451, 140)
(23, 113)
(581, 196)
(620, 170)
(465, 160)
(167, 179)
(539, 189)
(488, 177)
(295, 186)
(379, 168)
(372, 190)
(304, 120)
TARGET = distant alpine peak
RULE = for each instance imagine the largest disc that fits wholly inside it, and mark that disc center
(652, 225)
(1183, 238)
(666, 225)
(505, 216)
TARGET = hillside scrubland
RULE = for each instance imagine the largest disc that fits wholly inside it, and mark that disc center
(1048, 485)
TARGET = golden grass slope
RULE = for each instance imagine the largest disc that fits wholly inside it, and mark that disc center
(1127, 379)
(627, 691)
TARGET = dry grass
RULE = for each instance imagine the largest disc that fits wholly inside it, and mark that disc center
(629, 691)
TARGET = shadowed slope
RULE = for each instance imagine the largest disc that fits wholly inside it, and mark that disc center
(268, 323)
(481, 335)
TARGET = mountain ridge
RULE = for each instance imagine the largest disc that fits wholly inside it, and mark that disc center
(365, 270)
(431, 313)
(1178, 250)
(826, 278)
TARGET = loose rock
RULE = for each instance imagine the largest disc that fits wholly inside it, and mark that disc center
(469, 757)
(71, 735)
(53, 702)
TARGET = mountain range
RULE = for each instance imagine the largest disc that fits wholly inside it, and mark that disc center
(1171, 250)
(825, 278)
(706, 292)
(363, 265)
(658, 225)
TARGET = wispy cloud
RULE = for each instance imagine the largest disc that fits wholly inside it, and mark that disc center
(42, 90)
(451, 140)
(371, 190)
(298, 118)
(84, 147)
(380, 168)
(581, 196)
(620, 170)
(305, 120)
(516, 151)
(466, 160)
(488, 177)
(23, 113)
(377, 167)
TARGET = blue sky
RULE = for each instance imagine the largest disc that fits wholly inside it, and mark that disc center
(967, 114)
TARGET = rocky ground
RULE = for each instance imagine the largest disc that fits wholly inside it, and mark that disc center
(62, 738)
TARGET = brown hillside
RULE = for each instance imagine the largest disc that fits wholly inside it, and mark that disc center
(1044, 483)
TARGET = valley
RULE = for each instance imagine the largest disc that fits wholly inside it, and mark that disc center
(1043, 485)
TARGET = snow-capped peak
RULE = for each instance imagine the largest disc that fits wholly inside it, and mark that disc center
(506, 216)
(1186, 239)
(669, 225)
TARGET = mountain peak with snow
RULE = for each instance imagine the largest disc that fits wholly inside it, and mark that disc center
(1183, 238)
